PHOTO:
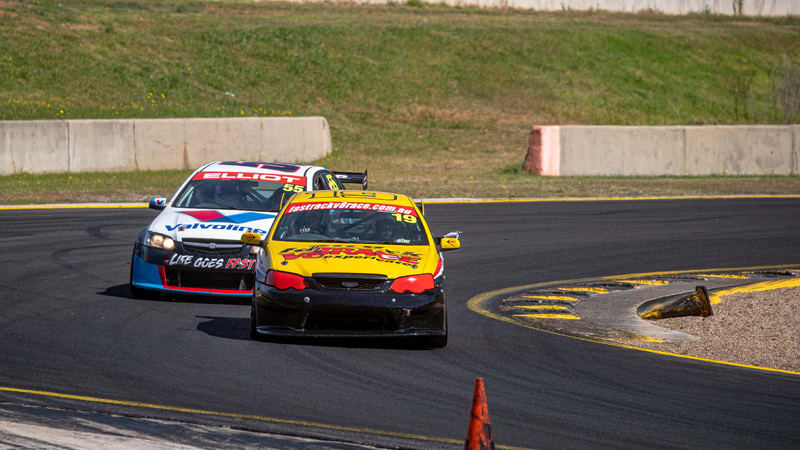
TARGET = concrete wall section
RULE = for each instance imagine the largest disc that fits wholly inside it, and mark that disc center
(37, 146)
(796, 149)
(101, 145)
(223, 139)
(315, 132)
(766, 8)
(621, 150)
(157, 144)
(739, 150)
(544, 151)
(160, 144)
(772, 8)
(676, 150)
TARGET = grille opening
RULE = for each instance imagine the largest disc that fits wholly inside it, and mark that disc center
(349, 282)
(211, 280)
(340, 322)
(205, 246)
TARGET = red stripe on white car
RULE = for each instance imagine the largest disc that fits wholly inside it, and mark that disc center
(251, 176)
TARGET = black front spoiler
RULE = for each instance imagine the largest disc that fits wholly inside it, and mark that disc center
(344, 314)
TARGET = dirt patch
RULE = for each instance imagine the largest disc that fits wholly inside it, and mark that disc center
(759, 329)
(82, 26)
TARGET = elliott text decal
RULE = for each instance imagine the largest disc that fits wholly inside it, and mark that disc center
(251, 176)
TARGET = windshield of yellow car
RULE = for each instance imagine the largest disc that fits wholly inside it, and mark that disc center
(366, 223)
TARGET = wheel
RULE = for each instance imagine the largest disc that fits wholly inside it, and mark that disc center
(140, 293)
(437, 341)
(253, 333)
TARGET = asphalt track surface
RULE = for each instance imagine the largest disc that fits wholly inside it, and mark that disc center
(69, 326)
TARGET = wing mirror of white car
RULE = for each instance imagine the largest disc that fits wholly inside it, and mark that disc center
(251, 238)
(158, 203)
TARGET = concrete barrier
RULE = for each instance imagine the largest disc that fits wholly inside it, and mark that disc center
(737, 150)
(796, 152)
(106, 145)
(155, 144)
(160, 144)
(764, 8)
(674, 150)
(37, 145)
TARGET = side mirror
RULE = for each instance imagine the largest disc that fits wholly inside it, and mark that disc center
(450, 241)
(158, 203)
(251, 238)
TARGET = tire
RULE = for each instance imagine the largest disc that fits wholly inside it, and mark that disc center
(439, 341)
(253, 332)
(139, 293)
(436, 341)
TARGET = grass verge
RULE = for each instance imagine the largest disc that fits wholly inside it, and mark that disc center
(140, 186)
(435, 101)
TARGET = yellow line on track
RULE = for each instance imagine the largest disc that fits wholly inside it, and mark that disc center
(548, 316)
(472, 201)
(606, 199)
(720, 275)
(479, 302)
(594, 290)
(542, 307)
(756, 287)
(303, 423)
(550, 297)
(647, 282)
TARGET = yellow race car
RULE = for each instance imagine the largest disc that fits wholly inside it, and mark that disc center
(344, 263)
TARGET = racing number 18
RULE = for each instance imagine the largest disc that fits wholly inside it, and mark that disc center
(408, 218)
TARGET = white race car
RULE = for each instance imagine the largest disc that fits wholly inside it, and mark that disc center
(193, 246)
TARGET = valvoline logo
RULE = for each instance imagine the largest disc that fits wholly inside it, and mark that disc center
(217, 219)
(216, 216)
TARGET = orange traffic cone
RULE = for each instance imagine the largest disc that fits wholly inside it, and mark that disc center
(479, 433)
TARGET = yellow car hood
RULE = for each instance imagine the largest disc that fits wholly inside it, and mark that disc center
(308, 258)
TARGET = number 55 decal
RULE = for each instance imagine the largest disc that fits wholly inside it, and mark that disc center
(292, 188)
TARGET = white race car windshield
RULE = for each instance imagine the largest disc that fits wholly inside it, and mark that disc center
(235, 194)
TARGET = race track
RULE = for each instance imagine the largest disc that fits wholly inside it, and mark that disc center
(69, 326)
